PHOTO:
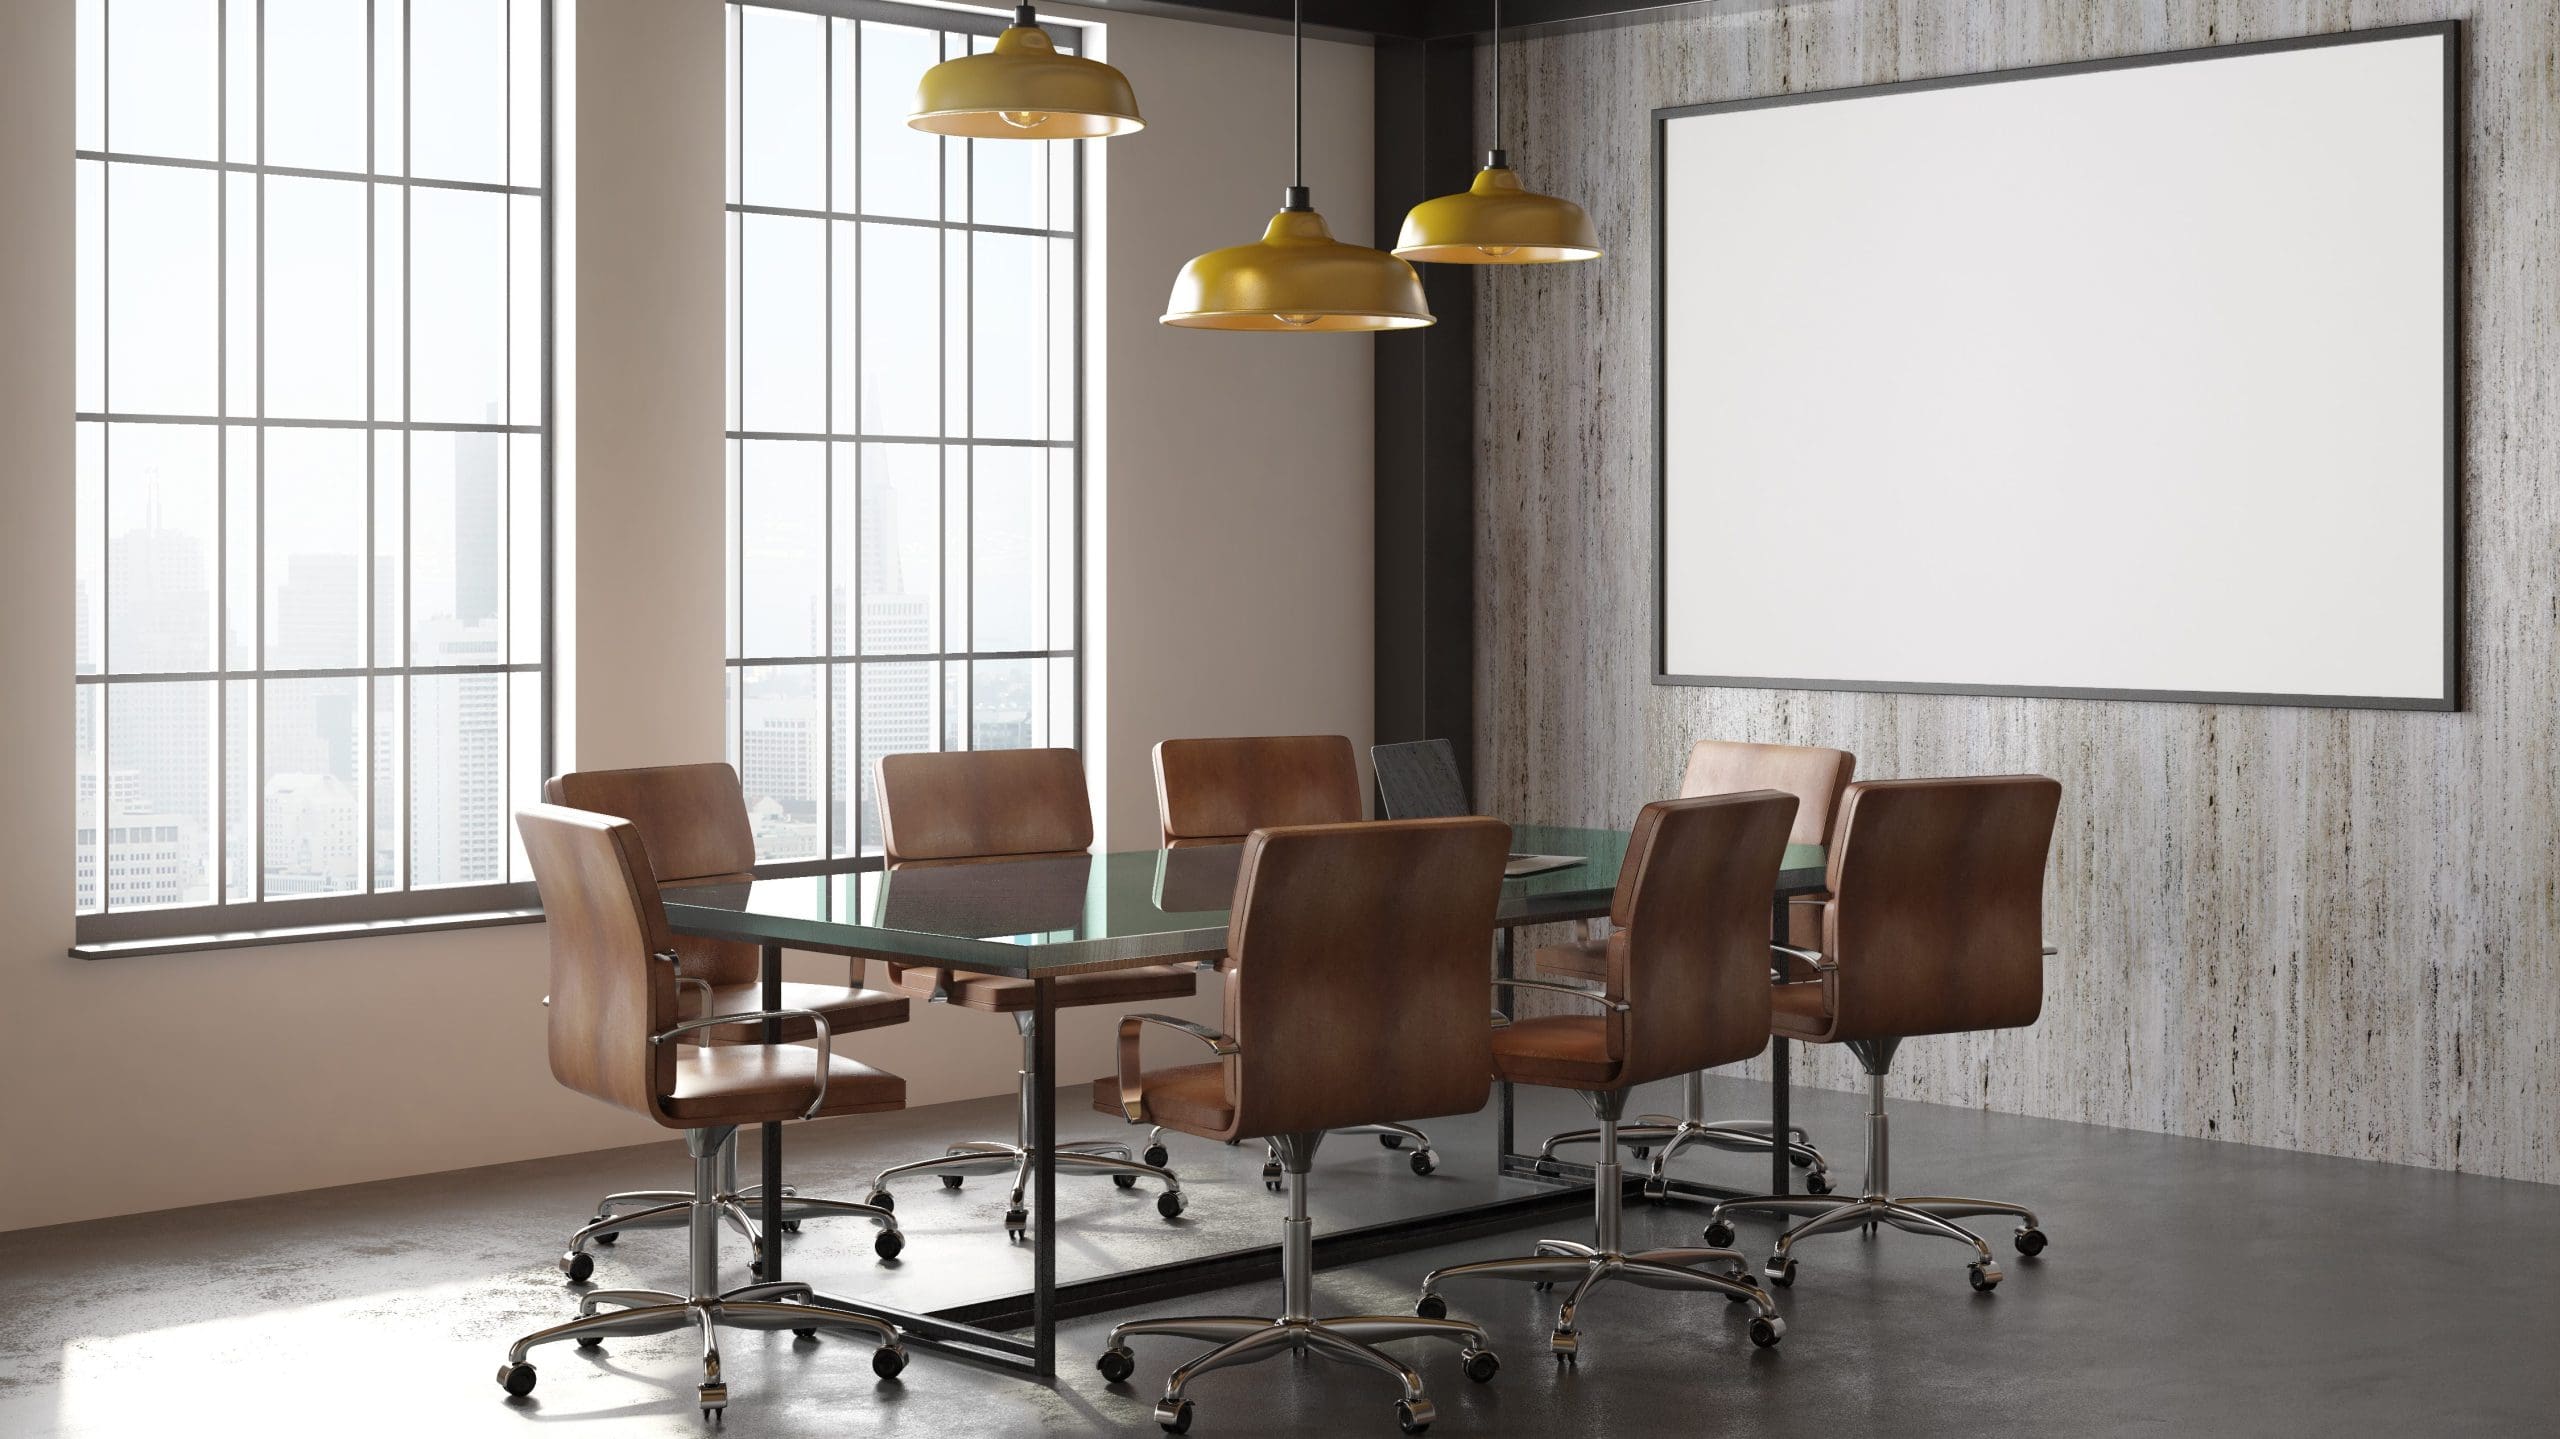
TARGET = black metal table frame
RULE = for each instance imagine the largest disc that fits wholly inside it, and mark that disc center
(978, 1331)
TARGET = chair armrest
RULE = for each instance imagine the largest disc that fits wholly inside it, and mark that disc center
(1813, 957)
(1614, 1006)
(1132, 1095)
(2051, 950)
(826, 1041)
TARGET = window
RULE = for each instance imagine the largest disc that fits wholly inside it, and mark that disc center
(904, 381)
(312, 467)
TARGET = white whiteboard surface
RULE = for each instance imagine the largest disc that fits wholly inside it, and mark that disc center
(2130, 380)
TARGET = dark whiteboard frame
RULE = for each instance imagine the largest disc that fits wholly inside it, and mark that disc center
(2450, 697)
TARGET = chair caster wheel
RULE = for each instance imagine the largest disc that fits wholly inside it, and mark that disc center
(888, 1243)
(804, 1333)
(713, 1398)
(1541, 1286)
(1124, 1181)
(1780, 1271)
(1017, 1222)
(1391, 1141)
(604, 1238)
(590, 1341)
(1984, 1275)
(1271, 1177)
(2030, 1241)
(1157, 1155)
(1766, 1331)
(579, 1265)
(1566, 1345)
(1431, 1306)
(1174, 1416)
(1170, 1204)
(1424, 1161)
(1480, 1364)
(1799, 1159)
(1642, 1151)
(516, 1379)
(1817, 1182)
(1656, 1191)
(1116, 1364)
(1719, 1234)
(791, 1226)
(883, 1199)
(1743, 1277)
(888, 1361)
(1415, 1415)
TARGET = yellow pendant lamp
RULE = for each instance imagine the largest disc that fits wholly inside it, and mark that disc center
(1297, 276)
(1497, 221)
(1024, 89)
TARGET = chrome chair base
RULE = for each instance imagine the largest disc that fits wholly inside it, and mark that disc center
(1588, 1266)
(1663, 1136)
(1351, 1339)
(708, 1308)
(1876, 1205)
(1087, 1156)
(1423, 1158)
(740, 1208)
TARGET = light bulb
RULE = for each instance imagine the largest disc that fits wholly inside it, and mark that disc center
(1297, 320)
(1497, 251)
(1024, 119)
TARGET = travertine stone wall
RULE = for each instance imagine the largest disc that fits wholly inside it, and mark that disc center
(2327, 930)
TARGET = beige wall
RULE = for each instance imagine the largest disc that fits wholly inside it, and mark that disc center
(1234, 469)
(1233, 550)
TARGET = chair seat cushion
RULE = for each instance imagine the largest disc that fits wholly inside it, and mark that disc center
(846, 1010)
(760, 1084)
(1001, 994)
(1585, 960)
(1191, 1098)
(1796, 1011)
(1566, 1051)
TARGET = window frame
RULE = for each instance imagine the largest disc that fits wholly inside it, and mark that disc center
(855, 659)
(221, 922)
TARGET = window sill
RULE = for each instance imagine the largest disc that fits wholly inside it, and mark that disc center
(298, 934)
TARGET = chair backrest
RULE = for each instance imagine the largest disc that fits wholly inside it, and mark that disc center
(602, 917)
(1216, 791)
(1937, 916)
(693, 821)
(984, 804)
(1361, 993)
(1813, 775)
(1690, 955)
(1418, 779)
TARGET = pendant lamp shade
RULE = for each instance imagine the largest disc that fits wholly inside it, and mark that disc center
(1024, 89)
(1497, 222)
(1297, 277)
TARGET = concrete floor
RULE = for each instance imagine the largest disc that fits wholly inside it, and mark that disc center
(2192, 1288)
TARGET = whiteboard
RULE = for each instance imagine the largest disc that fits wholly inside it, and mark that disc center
(2125, 380)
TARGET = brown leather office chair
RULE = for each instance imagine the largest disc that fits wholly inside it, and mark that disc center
(617, 1035)
(1687, 989)
(1816, 777)
(692, 818)
(989, 807)
(1320, 913)
(1934, 927)
(1216, 791)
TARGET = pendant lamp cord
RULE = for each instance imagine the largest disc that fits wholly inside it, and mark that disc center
(1298, 95)
(1497, 74)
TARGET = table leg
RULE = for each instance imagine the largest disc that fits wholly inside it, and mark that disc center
(1780, 1177)
(1502, 1002)
(770, 1226)
(1044, 1180)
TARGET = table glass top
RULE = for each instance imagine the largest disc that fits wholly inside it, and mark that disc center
(1041, 916)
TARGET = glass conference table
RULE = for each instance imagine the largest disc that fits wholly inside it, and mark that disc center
(1039, 919)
